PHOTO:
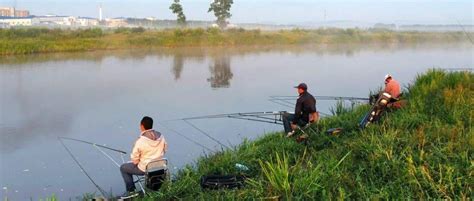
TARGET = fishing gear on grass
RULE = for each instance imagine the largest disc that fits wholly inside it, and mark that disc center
(215, 182)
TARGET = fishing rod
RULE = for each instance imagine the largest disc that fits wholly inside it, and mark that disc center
(206, 134)
(250, 116)
(242, 114)
(184, 136)
(465, 32)
(93, 144)
(258, 120)
(282, 103)
(98, 147)
(456, 69)
(81, 167)
(286, 103)
(349, 98)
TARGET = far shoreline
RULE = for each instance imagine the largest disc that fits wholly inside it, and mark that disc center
(40, 40)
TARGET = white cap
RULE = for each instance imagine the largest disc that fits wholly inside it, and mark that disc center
(388, 76)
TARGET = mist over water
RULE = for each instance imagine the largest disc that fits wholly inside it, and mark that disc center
(101, 97)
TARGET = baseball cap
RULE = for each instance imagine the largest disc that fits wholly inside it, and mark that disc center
(302, 86)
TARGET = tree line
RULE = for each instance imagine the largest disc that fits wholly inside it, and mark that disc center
(221, 9)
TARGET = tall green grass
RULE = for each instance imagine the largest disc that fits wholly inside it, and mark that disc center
(40, 40)
(423, 151)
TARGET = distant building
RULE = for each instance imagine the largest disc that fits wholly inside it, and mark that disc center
(116, 22)
(50, 20)
(16, 21)
(4, 25)
(232, 26)
(22, 13)
(151, 18)
(7, 12)
(87, 22)
(385, 26)
(12, 12)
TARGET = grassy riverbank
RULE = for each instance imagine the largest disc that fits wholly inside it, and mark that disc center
(37, 40)
(420, 152)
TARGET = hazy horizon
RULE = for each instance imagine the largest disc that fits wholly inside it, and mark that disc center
(267, 11)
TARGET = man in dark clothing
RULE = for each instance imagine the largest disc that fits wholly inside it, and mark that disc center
(305, 111)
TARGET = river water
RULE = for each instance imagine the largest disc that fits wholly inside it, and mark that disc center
(101, 97)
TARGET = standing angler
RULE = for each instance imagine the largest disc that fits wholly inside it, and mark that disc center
(151, 145)
(305, 111)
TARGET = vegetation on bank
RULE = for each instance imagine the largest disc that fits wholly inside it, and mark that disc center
(422, 151)
(41, 40)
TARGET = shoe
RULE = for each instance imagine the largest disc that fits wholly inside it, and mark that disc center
(128, 195)
(290, 134)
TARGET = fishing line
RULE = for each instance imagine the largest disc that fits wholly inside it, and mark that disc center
(91, 143)
(107, 155)
(462, 27)
(185, 137)
(206, 134)
(82, 169)
(290, 106)
(258, 120)
(280, 103)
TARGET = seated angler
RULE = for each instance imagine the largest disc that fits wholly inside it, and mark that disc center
(149, 146)
(305, 111)
(392, 87)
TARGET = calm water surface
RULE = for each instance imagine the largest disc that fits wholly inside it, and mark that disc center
(101, 96)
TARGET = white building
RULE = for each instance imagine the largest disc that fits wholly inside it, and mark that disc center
(116, 22)
(4, 25)
(16, 21)
(87, 22)
(53, 20)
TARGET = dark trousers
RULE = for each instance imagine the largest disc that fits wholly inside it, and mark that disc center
(287, 119)
(128, 170)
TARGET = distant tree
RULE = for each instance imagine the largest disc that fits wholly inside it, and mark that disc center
(177, 9)
(221, 10)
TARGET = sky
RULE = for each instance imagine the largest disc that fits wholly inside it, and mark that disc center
(269, 11)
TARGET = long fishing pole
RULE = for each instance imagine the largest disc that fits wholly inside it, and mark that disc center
(206, 134)
(82, 168)
(184, 136)
(107, 155)
(257, 120)
(462, 27)
(280, 103)
(321, 98)
(98, 147)
(217, 116)
(94, 144)
(290, 106)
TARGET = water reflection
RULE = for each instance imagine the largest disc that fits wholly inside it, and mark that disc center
(178, 64)
(221, 73)
(199, 54)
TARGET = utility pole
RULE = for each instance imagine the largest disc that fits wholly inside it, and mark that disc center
(100, 12)
(13, 10)
(325, 19)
